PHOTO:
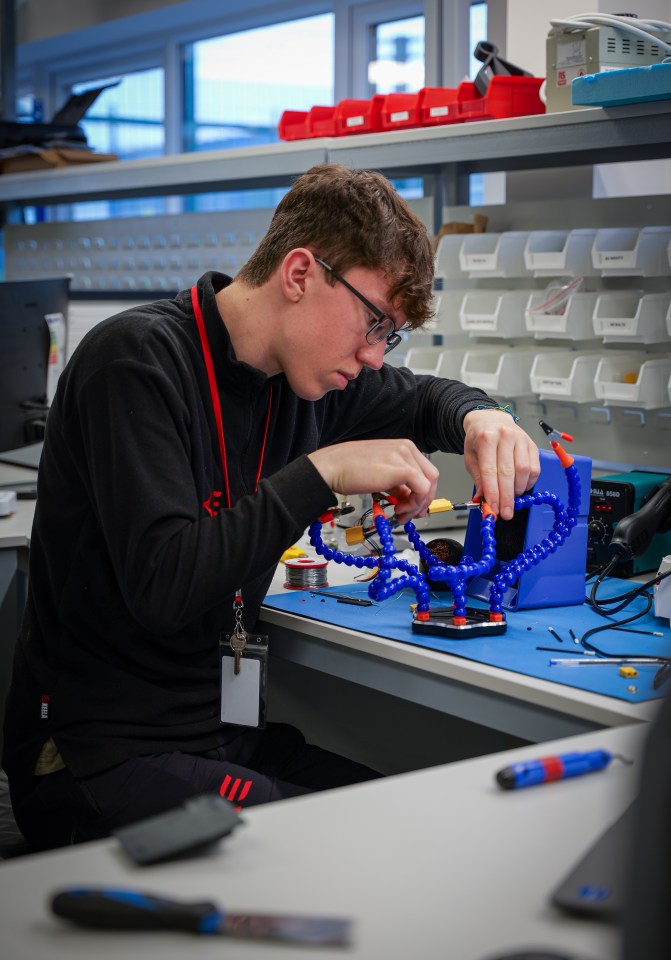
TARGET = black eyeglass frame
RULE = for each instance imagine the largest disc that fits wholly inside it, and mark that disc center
(393, 339)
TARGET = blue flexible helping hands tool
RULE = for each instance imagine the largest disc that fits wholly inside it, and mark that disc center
(110, 909)
(462, 622)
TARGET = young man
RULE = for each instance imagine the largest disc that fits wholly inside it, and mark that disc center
(190, 443)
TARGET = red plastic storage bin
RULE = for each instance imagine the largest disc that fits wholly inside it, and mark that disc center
(301, 124)
(294, 125)
(322, 121)
(505, 97)
(400, 110)
(359, 116)
(438, 105)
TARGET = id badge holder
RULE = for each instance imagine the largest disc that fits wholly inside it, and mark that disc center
(244, 694)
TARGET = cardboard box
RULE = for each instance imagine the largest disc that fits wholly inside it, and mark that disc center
(23, 159)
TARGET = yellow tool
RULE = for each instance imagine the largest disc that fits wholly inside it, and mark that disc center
(292, 553)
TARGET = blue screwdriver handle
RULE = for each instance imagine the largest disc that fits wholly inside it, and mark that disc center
(111, 909)
(560, 767)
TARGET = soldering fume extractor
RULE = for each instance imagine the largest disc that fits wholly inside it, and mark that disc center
(595, 43)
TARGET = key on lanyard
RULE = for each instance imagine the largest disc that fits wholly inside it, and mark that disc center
(238, 639)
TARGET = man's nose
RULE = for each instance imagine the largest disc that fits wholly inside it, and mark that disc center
(372, 354)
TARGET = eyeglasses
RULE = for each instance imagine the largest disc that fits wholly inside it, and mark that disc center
(383, 327)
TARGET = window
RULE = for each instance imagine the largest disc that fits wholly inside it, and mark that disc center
(237, 87)
(397, 64)
(478, 32)
(127, 119)
(29, 109)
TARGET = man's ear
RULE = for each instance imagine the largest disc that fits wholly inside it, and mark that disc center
(295, 271)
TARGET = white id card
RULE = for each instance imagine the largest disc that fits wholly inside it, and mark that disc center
(240, 692)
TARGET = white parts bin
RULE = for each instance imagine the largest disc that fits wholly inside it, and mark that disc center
(633, 380)
(662, 591)
(494, 313)
(631, 316)
(557, 253)
(632, 251)
(494, 254)
(452, 358)
(501, 374)
(447, 305)
(447, 256)
(423, 359)
(565, 376)
(572, 321)
(430, 326)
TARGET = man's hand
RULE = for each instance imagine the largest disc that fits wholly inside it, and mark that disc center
(502, 459)
(394, 466)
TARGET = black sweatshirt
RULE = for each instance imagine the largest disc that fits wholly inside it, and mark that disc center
(134, 556)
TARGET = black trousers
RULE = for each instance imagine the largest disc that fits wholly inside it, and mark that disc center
(257, 767)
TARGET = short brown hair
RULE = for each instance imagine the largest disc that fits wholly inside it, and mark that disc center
(351, 218)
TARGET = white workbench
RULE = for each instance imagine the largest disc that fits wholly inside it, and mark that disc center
(438, 863)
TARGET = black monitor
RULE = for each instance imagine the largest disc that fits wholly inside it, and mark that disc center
(24, 356)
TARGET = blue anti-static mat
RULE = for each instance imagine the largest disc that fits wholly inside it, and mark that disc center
(516, 649)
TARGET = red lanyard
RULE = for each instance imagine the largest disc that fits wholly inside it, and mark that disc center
(216, 406)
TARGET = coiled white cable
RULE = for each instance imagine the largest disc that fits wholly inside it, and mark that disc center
(645, 29)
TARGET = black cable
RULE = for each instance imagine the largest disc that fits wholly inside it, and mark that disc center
(592, 600)
(641, 588)
(598, 571)
(624, 599)
(620, 625)
(369, 534)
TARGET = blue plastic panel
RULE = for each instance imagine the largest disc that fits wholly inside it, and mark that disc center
(615, 87)
(560, 579)
(516, 649)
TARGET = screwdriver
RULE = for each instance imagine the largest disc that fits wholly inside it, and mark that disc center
(559, 767)
(114, 909)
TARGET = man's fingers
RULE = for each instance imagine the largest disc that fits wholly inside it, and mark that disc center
(369, 466)
(502, 459)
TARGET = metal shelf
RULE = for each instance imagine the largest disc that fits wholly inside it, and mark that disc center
(210, 171)
(577, 137)
(573, 138)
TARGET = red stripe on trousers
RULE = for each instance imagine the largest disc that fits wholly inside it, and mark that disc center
(224, 785)
(234, 790)
(244, 791)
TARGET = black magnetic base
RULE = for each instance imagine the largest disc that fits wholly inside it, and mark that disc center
(477, 624)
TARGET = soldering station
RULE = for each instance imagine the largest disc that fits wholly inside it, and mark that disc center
(629, 516)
